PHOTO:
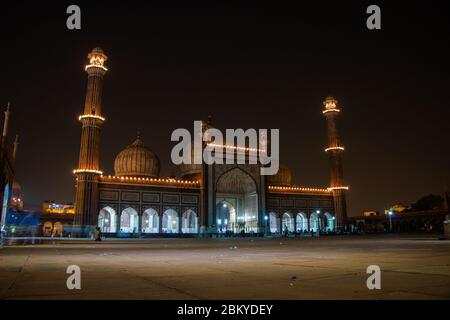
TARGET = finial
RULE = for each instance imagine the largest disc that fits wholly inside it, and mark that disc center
(138, 133)
(210, 120)
(8, 107)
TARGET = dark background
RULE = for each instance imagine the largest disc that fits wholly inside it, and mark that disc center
(264, 66)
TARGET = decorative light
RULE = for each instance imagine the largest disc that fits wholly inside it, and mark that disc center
(232, 147)
(163, 181)
(93, 116)
(330, 105)
(334, 148)
(331, 110)
(96, 61)
(298, 189)
(87, 171)
(339, 188)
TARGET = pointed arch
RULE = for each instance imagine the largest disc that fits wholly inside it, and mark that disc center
(170, 221)
(107, 220)
(302, 222)
(189, 222)
(129, 220)
(288, 222)
(329, 222)
(274, 223)
(150, 221)
(314, 223)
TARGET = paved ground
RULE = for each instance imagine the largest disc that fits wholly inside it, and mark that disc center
(326, 268)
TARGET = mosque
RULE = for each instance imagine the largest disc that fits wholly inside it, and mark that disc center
(205, 199)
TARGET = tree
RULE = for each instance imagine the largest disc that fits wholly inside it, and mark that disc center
(430, 202)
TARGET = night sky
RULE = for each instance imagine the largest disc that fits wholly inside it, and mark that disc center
(248, 67)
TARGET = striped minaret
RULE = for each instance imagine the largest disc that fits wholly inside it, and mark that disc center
(335, 150)
(88, 171)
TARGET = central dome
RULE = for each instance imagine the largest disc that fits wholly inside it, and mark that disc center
(137, 160)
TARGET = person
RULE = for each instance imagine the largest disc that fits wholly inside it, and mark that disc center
(286, 231)
(98, 234)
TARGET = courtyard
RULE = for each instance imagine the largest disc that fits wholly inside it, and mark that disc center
(412, 267)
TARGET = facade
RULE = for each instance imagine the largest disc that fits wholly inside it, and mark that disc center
(205, 199)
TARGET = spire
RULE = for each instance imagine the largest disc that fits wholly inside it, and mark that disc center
(15, 146)
(6, 121)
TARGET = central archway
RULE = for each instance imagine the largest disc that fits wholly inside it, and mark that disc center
(225, 216)
(237, 202)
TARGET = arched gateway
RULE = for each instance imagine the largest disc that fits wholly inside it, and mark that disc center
(236, 202)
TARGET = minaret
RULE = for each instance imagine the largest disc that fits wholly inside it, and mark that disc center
(88, 171)
(15, 147)
(335, 150)
(5, 125)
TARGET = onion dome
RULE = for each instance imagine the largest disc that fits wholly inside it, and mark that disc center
(137, 160)
(282, 178)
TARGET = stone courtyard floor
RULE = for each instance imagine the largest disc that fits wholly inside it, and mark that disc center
(412, 267)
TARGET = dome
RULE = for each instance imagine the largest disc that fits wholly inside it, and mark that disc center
(97, 50)
(136, 160)
(191, 171)
(282, 178)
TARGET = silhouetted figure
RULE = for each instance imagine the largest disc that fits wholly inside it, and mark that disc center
(98, 234)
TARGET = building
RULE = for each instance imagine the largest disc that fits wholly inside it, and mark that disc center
(205, 199)
(7, 159)
(431, 221)
(16, 201)
(61, 208)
